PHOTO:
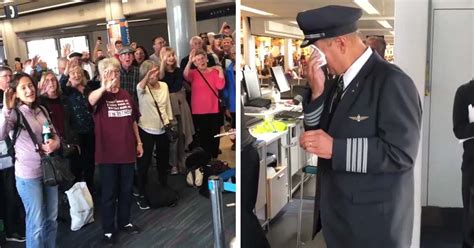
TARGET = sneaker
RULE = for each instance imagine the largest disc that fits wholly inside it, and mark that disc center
(108, 239)
(142, 204)
(174, 170)
(130, 229)
(135, 192)
(15, 237)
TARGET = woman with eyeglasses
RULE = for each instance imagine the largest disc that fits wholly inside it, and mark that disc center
(118, 144)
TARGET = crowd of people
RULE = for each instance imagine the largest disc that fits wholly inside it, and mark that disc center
(112, 107)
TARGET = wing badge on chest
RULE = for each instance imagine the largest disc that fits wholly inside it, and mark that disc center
(359, 118)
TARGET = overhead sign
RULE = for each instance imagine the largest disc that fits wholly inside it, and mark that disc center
(11, 12)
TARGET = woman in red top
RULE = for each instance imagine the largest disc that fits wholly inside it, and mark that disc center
(117, 144)
(204, 99)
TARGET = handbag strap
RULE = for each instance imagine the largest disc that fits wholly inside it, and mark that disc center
(205, 80)
(32, 135)
(156, 105)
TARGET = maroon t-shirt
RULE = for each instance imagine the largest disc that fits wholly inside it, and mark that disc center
(57, 114)
(115, 142)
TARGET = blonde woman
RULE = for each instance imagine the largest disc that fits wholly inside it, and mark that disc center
(76, 92)
(172, 75)
(152, 94)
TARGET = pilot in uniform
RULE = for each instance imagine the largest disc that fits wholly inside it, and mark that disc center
(362, 120)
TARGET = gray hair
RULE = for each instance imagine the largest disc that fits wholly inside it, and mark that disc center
(146, 66)
(103, 64)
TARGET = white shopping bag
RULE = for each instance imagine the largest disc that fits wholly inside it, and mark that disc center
(82, 206)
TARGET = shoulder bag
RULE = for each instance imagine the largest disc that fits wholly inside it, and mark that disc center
(169, 130)
(55, 171)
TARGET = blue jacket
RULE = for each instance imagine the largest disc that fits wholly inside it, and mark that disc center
(228, 93)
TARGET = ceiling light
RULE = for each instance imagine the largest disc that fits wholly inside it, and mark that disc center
(256, 11)
(139, 20)
(129, 21)
(385, 24)
(367, 7)
(47, 7)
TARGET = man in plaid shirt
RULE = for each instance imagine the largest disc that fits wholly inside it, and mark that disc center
(129, 74)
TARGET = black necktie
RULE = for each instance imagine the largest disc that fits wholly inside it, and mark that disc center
(337, 94)
(336, 97)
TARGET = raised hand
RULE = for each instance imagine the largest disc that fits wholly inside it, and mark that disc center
(66, 50)
(98, 43)
(110, 49)
(9, 98)
(192, 56)
(151, 74)
(315, 74)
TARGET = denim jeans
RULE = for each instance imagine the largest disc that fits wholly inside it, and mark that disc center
(41, 206)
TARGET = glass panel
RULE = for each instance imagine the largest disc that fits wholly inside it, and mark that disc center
(46, 50)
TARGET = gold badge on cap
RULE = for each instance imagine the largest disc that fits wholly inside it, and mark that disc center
(358, 118)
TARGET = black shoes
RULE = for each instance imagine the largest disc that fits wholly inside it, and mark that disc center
(108, 239)
(15, 237)
(130, 229)
(142, 203)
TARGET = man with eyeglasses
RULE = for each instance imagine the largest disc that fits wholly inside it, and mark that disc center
(11, 209)
(158, 43)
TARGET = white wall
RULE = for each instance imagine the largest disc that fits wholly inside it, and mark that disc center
(410, 54)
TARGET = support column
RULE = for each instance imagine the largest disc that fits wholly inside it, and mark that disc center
(410, 53)
(288, 48)
(181, 17)
(11, 42)
(249, 43)
(113, 10)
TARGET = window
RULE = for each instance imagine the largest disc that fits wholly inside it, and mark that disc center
(46, 50)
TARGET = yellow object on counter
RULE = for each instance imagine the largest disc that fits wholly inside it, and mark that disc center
(270, 126)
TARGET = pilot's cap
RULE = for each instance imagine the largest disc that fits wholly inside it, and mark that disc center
(327, 22)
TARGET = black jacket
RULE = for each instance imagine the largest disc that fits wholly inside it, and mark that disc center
(367, 188)
(461, 126)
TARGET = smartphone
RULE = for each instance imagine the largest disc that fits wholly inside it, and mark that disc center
(322, 57)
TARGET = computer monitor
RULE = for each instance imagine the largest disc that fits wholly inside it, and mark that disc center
(279, 76)
(251, 84)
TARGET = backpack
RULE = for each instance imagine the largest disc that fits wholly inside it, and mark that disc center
(160, 196)
(197, 158)
(7, 146)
